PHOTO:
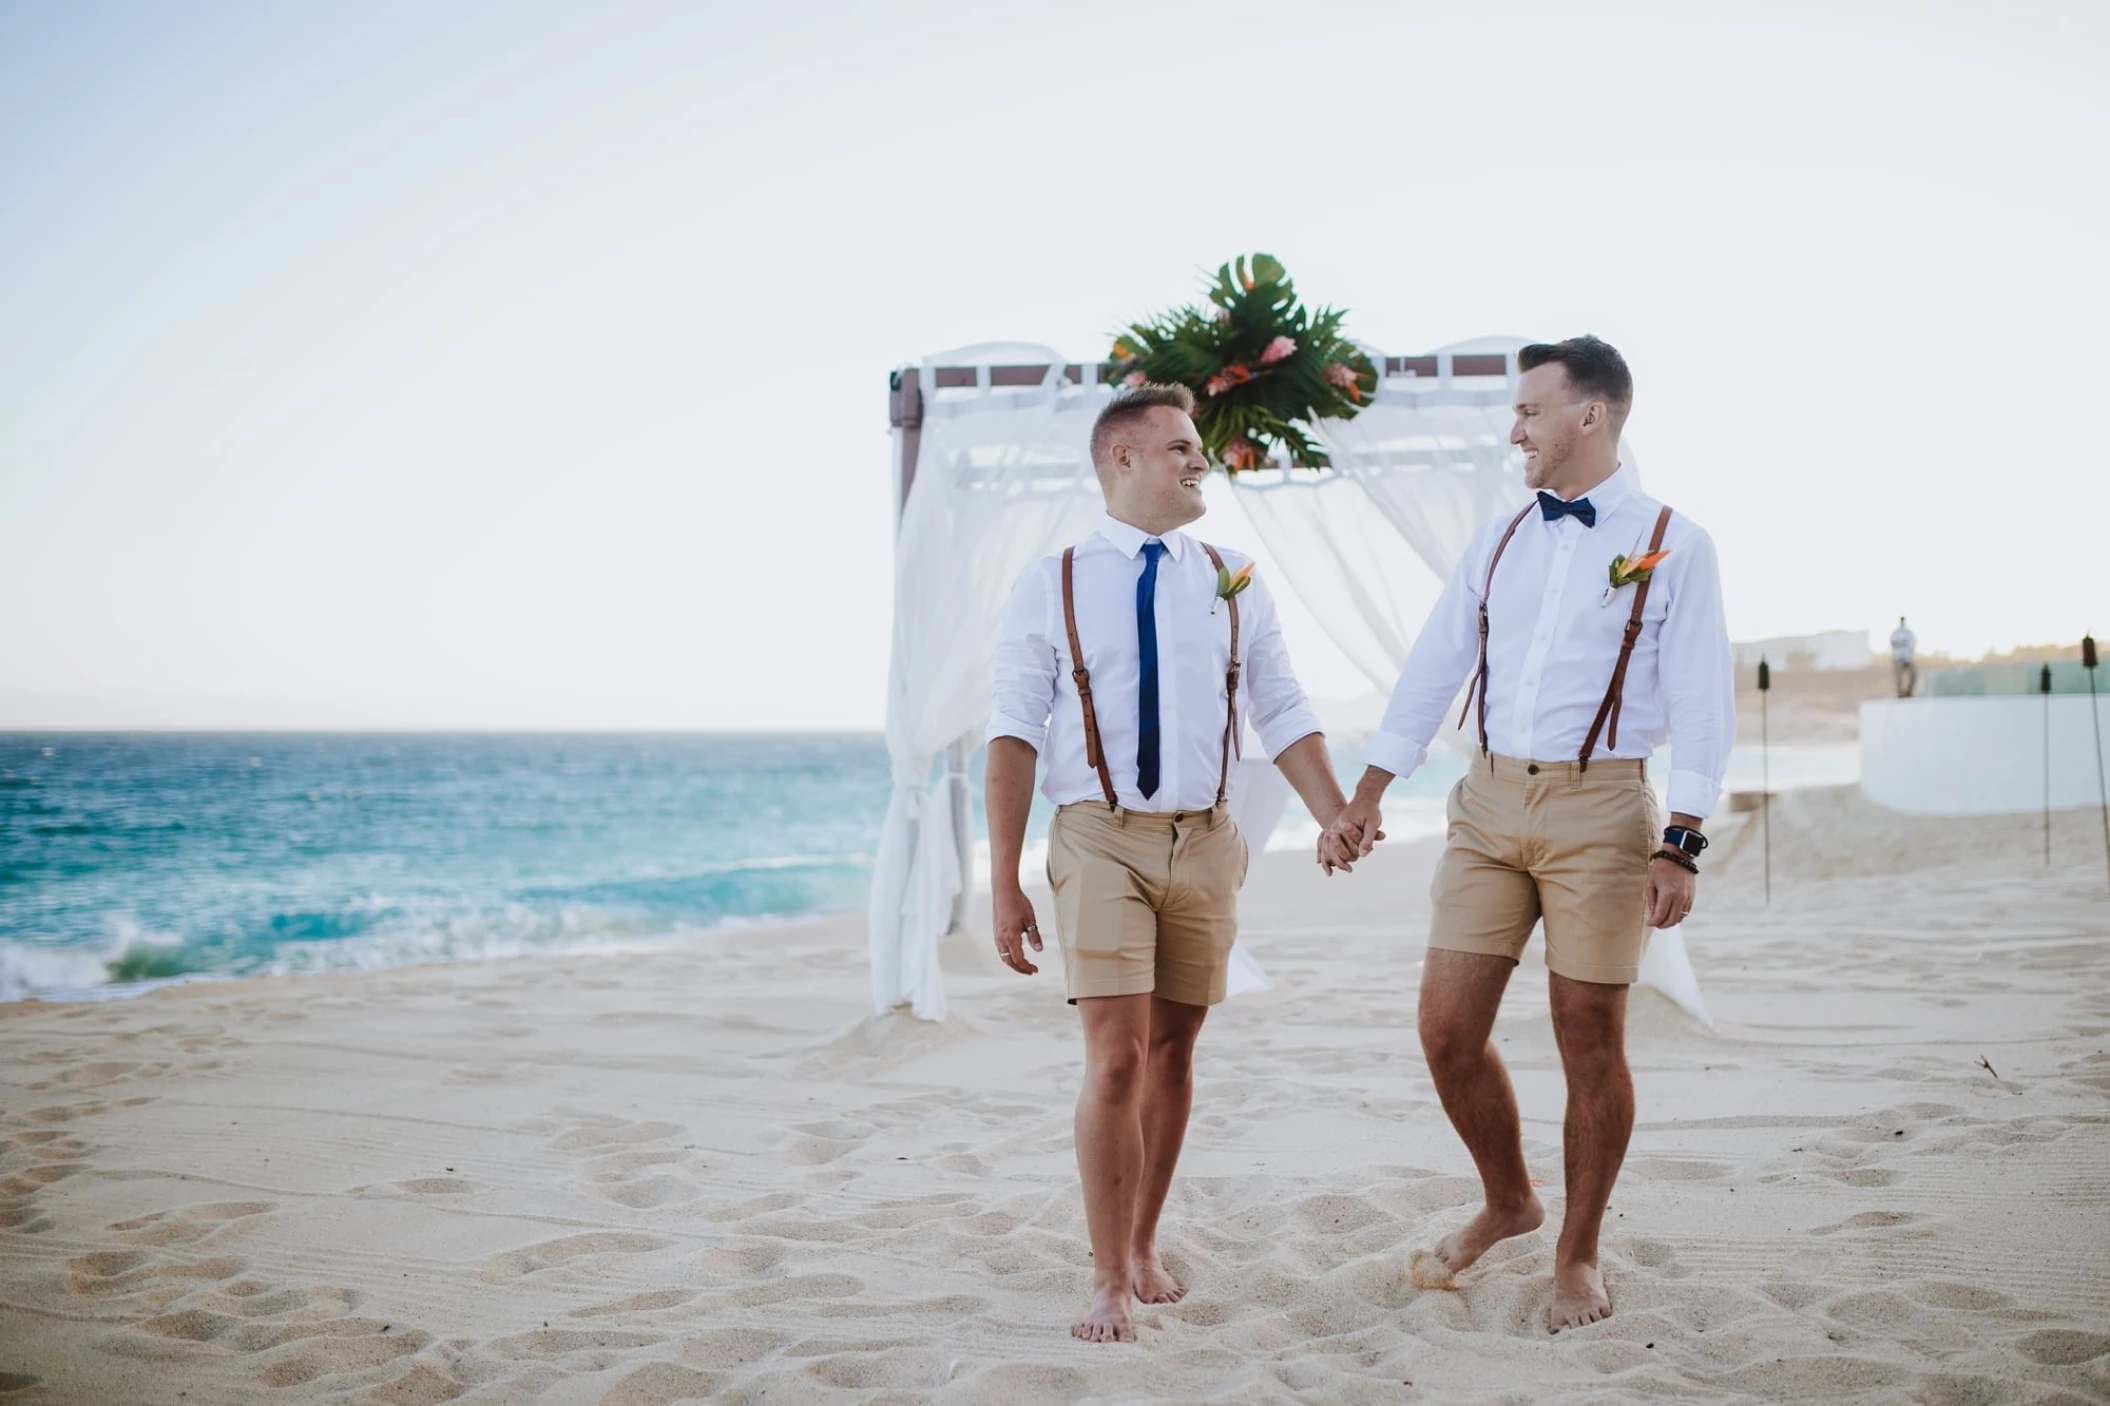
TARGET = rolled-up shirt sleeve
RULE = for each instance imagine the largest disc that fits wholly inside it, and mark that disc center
(1275, 701)
(1443, 653)
(1022, 688)
(1697, 672)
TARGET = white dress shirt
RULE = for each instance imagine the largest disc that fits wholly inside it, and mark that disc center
(1034, 697)
(1553, 643)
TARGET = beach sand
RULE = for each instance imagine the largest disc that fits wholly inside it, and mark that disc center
(708, 1172)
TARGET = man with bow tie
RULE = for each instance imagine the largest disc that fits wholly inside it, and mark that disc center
(1590, 627)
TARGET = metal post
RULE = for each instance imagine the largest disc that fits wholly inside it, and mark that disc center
(2044, 687)
(1765, 770)
(957, 757)
(2102, 793)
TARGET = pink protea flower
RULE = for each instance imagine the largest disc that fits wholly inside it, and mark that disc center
(1343, 375)
(1241, 453)
(1277, 349)
(1134, 378)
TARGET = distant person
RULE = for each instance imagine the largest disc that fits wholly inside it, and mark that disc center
(1580, 670)
(1123, 663)
(1903, 672)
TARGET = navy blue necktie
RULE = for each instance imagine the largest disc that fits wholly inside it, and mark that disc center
(1147, 679)
(1554, 509)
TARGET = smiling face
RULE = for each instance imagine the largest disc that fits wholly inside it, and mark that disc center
(1153, 470)
(1567, 438)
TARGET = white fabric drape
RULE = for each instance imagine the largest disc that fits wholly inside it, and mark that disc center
(1004, 476)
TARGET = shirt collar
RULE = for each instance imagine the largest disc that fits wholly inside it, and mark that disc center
(1607, 496)
(1128, 539)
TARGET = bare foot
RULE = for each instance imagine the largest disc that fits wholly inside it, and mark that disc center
(1108, 1320)
(1578, 1297)
(1152, 1283)
(1461, 1247)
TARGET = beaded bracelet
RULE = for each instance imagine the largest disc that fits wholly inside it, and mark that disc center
(1682, 860)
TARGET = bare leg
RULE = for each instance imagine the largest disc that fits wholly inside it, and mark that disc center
(1110, 1155)
(1460, 993)
(1589, 1024)
(1168, 1094)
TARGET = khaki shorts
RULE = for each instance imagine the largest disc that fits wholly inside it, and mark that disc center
(1547, 839)
(1146, 902)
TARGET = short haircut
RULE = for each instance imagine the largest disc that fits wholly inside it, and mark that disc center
(1595, 368)
(1129, 405)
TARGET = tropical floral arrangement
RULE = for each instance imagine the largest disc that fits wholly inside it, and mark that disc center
(1262, 367)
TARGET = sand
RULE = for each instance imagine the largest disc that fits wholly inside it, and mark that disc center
(709, 1173)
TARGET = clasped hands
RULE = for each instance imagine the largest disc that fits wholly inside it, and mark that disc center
(1354, 832)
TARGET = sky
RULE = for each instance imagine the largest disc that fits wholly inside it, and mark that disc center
(480, 365)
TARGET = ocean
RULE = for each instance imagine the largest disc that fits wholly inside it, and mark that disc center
(129, 860)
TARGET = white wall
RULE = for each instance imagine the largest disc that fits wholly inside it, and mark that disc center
(1978, 756)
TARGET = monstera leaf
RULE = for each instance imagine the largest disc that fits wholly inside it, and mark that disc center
(1262, 367)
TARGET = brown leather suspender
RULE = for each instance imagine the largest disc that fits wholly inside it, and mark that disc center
(1479, 684)
(1231, 737)
(1093, 752)
(1614, 695)
(1094, 749)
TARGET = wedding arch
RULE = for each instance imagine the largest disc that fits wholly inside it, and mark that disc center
(992, 470)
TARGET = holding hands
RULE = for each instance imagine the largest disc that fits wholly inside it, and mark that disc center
(1354, 832)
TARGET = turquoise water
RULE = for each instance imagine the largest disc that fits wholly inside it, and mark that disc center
(129, 859)
(126, 858)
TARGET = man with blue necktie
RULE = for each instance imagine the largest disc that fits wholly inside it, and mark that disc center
(1590, 626)
(1126, 667)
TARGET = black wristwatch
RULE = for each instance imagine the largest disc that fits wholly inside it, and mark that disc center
(1685, 840)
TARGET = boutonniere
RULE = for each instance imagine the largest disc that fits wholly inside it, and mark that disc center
(1629, 568)
(1230, 583)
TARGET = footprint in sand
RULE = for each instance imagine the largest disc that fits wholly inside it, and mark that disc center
(799, 1286)
(436, 1186)
(518, 1264)
(185, 1225)
(743, 1262)
(2063, 1347)
(609, 1134)
(111, 1273)
(1870, 1222)
(1969, 1298)
(662, 1384)
(1429, 1272)
(573, 1349)
(647, 1302)
(425, 1384)
(949, 1309)
(96, 1075)
(253, 1298)
(348, 1345)
(759, 1206)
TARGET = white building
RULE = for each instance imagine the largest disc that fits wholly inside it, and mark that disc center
(1834, 649)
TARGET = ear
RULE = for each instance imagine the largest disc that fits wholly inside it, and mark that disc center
(1595, 415)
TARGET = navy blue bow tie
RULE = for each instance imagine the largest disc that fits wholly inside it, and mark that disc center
(1554, 509)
